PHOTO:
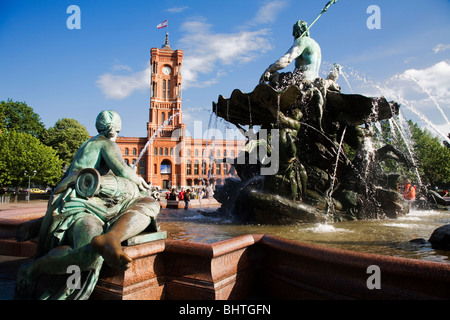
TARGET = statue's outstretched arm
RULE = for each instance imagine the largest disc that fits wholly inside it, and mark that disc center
(112, 155)
(293, 53)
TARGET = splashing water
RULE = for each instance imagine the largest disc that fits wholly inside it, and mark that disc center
(153, 137)
(330, 199)
(432, 98)
(406, 136)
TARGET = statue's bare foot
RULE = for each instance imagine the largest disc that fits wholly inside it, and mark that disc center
(111, 251)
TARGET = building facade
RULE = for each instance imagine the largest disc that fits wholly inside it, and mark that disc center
(172, 159)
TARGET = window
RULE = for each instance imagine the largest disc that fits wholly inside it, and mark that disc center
(127, 162)
(142, 167)
(218, 168)
(166, 167)
(134, 151)
(166, 151)
(196, 167)
(203, 167)
(160, 151)
(188, 167)
(163, 117)
(188, 153)
(196, 153)
(232, 153)
(171, 151)
(154, 88)
(155, 151)
(126, 151)
(164, 89)
(224, 153)
(168, 89)
(218, 153)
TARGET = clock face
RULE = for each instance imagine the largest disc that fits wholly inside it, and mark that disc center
(166, 70)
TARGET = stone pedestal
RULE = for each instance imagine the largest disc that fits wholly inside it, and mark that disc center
(219, 271)
(144, 280)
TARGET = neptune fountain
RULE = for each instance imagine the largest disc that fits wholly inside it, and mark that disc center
(320, 139)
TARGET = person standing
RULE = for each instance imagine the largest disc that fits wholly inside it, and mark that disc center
(187, 199)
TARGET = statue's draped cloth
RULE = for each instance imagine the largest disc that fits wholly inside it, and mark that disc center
(112, 197)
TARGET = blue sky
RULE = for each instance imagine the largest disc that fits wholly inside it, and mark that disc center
(76, 73)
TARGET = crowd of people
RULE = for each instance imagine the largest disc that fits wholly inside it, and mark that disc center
(188, 194)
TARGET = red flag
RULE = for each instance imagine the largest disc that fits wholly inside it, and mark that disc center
(162, 24)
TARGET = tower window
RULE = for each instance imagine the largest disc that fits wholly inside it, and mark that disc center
(164, 89)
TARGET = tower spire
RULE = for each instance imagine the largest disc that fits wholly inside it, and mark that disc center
(166, 42)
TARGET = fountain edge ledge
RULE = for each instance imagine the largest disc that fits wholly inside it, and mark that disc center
(264, 266)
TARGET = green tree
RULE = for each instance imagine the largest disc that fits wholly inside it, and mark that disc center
(433, 156)
(18, 116)
(20, 153)
(65, 137)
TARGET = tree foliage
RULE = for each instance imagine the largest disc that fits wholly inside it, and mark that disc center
(429, 154)
(433, 156)
(65, 137)
(22, 152)
(18, 116)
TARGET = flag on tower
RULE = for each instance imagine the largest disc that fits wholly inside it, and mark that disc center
(162, 24)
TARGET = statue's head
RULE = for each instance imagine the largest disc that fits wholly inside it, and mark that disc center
(108, 123)
(299, 27)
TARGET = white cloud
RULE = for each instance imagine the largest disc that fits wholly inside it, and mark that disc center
(435, 80)
(268, 12)
(120, 67)
(205, 51)
(121, 86)
(441, 47)
(425, 93)
(177, 9)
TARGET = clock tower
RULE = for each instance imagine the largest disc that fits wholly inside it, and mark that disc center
(165, 87)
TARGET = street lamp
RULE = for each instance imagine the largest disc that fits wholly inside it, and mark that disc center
(27, 197)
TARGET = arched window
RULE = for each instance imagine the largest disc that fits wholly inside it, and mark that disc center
(142, 167)
(218, 169)
(171, 151)
(196, 167)
(127, 161)
(203, 167)
(188, 152)
(155, 151)
(164, 89)
(196, 153)
(218, 153)
(163, 117)
(188, 167)
(166, 167)
(166, 151)
(168, 89)
(134, 151)
(160, 151)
